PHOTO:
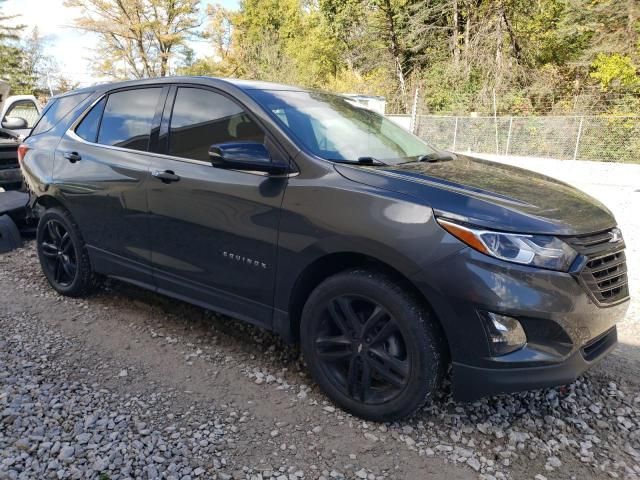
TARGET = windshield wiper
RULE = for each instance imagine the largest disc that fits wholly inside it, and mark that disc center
(437, 157)
(370, 161)
(360, 161)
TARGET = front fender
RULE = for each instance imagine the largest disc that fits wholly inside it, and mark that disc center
(343, 217)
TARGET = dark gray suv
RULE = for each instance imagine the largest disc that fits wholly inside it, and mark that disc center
(299, 212)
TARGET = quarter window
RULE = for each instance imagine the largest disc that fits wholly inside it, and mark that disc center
(88, 128)
(202, 118)
(56, 110)
(128, 118)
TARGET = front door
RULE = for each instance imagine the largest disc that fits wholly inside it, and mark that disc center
(101, 171)
(214, 232)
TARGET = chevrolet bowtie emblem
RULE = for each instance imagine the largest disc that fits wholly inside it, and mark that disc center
(615, 235)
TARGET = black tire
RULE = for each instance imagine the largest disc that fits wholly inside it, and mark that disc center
(63, 255)
(398, 345)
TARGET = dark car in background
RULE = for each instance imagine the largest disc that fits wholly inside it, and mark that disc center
(10, 176)
(299, 212)
(18, 114)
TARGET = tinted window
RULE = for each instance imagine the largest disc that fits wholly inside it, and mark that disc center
(202, 118)
(56, 110)
(88, 128)
(128, 118)
(24, 109)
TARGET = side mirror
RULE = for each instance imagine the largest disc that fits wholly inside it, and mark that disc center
(14, 123)
(248, 156)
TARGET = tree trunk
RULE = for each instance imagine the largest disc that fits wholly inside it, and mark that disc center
(517, 51)
(395, 50)
(498, 60)
(165, 53)
(454, 39)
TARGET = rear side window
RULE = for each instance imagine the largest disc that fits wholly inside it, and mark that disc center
(202, 118)
(88, 128)
(128, 118)
(56, 110)
(24, 109)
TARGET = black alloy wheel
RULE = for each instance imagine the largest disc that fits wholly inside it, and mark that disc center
(372, 345)
(60, 263)
(63, 255)
(361, 347)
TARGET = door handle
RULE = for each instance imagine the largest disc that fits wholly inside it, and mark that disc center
(166, 176)
(73, 157)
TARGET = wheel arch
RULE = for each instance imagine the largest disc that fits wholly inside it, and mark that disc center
(49, 201)
(326, 266)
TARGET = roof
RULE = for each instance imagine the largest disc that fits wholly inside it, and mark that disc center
(258, 84)
(239, 83)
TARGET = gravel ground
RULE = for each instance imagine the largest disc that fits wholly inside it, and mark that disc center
(130, 384)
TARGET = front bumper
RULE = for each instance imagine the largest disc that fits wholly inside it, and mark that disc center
(567, 332)
(472, 383)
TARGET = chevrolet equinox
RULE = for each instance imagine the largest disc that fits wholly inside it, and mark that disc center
(295, 210)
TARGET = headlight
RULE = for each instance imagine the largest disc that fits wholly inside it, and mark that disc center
(537, 250)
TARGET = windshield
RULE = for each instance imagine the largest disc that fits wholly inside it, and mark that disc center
(330, 127)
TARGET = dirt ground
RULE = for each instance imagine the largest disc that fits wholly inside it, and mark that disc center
(190, 368)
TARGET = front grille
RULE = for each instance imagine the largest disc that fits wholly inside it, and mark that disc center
(605, 272)
(606, 277)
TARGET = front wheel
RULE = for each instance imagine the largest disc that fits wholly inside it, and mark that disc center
(371, 345)
(63, 255)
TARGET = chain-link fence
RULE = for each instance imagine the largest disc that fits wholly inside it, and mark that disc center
(600, 138)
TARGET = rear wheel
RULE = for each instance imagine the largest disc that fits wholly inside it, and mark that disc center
(63, 255)
(371, 345)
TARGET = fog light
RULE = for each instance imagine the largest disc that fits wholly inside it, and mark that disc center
(505, 333)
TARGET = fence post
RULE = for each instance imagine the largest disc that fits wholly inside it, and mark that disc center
(455, 135)
(495, 119)
(575, 152)
(506, 150)
(414, 111)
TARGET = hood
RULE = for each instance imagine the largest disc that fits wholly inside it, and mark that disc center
(491, 194)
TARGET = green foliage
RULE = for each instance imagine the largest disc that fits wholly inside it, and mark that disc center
(11, 56)
(615, 71)
(547, 56)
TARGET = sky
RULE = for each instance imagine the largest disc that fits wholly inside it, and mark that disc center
(71, 48)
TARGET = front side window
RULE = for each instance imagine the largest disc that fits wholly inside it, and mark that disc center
(25, 109)
(331, 127)
(128, 118)
(56, 110)
(202, 118)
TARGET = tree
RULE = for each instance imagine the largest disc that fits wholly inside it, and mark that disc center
(8, 32)
(536, 56)
(10, 53)
(615, 70)
(219, 30)
(137, 38)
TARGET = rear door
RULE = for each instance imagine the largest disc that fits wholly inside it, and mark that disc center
(214, 232)
(101, 171)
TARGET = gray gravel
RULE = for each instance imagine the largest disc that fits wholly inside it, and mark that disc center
(129, 384)
(52, 426)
